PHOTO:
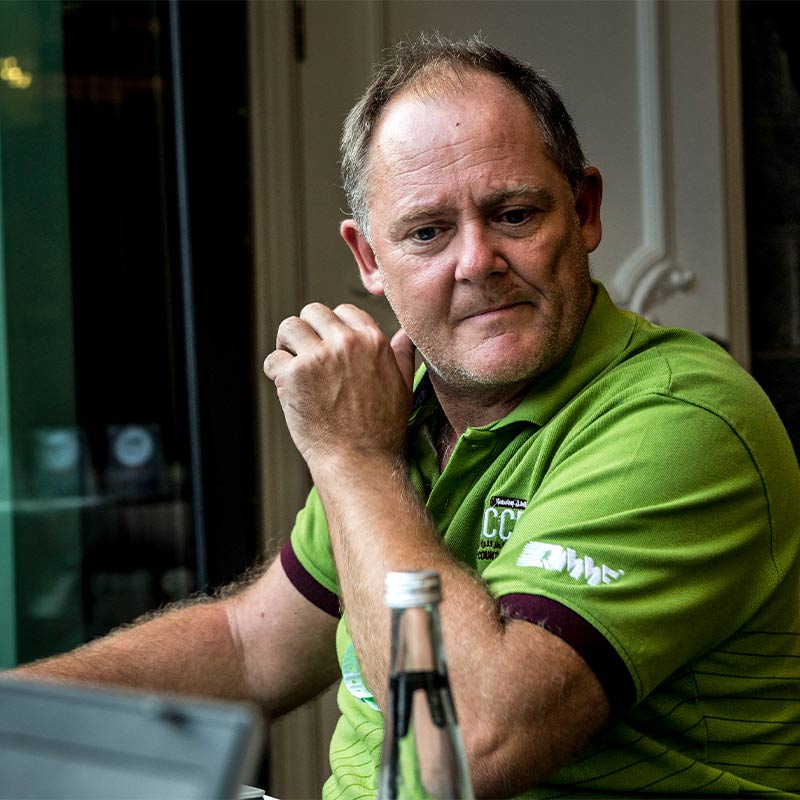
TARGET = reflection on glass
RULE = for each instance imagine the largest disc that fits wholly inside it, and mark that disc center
(94, 505)
(12, 73)
(97, 499)
(61, 465)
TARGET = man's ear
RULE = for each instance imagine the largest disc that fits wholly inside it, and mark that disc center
(364, 255)
(587, 207)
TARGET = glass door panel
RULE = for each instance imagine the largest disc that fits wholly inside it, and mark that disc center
(40, 530)
(96, 525)
(127, 376)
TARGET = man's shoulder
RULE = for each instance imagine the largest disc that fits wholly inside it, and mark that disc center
(681, 380)
(688, 367)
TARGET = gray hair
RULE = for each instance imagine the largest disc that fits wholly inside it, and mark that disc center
(424, 62)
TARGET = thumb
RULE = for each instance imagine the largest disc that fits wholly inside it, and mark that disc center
(404, 351)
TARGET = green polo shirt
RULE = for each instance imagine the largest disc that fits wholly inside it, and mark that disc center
(641, 503)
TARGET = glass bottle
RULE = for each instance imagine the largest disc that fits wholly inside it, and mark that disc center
(423, 755)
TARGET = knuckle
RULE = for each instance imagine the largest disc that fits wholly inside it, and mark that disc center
(347, 337)
(312, 308)
(376, 338)
(287, 324)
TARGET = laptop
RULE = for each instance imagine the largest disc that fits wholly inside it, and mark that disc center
(79, 742)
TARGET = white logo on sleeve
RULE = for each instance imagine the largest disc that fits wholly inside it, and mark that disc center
(555, 558)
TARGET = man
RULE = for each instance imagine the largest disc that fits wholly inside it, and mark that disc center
(612, 506)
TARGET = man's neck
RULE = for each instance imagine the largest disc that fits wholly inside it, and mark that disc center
(462, 411)
(466, 415)
(446, 442)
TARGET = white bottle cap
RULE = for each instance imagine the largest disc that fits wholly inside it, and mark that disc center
(412, 589)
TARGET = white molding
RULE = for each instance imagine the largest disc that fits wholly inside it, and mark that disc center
(277, 250)
(297, 760)
(650, 273)
(733, 149)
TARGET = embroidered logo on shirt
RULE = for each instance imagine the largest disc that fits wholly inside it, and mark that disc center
(499, 518)
(555, 558)
(508, 502)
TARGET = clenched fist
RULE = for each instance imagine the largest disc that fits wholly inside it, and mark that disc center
(344, 388)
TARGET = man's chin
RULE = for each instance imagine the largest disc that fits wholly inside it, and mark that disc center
(486, 379)
(507, 360)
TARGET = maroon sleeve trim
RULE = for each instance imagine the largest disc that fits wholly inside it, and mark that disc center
(308, 586)
(586, 640)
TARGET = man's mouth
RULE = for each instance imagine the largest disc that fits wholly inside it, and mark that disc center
(494, 310)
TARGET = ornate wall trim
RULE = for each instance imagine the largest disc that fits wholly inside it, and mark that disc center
(651, 273)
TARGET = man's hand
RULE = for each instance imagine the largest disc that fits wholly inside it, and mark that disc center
(344, 388)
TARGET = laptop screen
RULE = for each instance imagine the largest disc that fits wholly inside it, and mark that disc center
(88, 742)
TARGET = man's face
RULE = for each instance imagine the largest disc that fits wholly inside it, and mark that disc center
(474, 237)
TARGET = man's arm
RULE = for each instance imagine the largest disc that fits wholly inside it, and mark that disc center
(248, 645)
(526, 701)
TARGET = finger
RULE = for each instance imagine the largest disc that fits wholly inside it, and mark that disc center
(404, 352)
(355, 317)
(276, 362)
(295, 334)
(323, 320)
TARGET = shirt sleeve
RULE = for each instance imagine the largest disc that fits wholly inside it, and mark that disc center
(598, 653)
(307, 558)
(311, 589)
(651, 524)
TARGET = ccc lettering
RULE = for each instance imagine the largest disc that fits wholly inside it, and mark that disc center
(499, 522)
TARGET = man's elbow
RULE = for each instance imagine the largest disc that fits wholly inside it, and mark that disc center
(505, 763)
(515, 752)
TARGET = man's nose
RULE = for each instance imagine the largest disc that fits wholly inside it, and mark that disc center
(479, 254)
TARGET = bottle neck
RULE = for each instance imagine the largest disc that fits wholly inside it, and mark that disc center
(417, 640)
(423, 753)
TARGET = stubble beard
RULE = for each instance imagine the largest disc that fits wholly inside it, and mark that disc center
(500, 379)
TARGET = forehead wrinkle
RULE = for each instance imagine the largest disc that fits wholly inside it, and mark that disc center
(467, 149)
(427, 176)
(392, 154)
(471, 146)
(437, 156)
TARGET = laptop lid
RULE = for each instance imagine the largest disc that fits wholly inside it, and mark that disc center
(90, 742)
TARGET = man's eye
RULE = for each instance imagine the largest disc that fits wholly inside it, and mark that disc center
(515, 216)
(425, 234)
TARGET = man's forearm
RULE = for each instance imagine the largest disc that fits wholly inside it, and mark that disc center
(188, 650)
(378, 524)
(261, 641)
(393, 533)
